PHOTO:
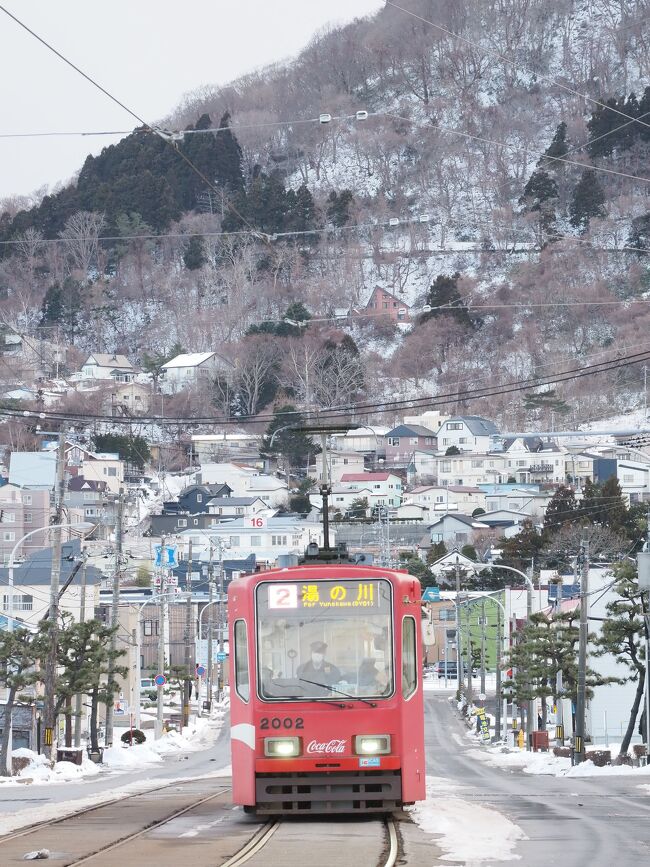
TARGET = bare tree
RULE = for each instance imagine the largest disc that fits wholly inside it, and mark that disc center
(81, 237)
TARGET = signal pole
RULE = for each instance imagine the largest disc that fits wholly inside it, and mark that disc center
(459, 655)
(161, 643)
(78, 710)
(210, 629)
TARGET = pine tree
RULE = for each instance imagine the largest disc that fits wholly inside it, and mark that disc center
(445, 300)
(194, 254)
(228, 159)
(604, 126)
(20, 651)
(614, 508)
(540, 189)
(561, 508)
(519, 550)
(558, 148)
(623, 637)
(588, 200)
(293, 445)
(338, 208)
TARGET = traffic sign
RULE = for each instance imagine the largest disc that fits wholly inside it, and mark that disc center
(200, 670)
(160, 680)
(221, 656)
(431, 594)
(167, 556)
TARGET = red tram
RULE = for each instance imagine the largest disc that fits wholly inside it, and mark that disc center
(326, 690)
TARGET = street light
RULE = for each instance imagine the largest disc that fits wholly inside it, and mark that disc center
(83, 526)
(138, 666)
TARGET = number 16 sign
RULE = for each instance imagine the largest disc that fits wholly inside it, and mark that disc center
(256, 522)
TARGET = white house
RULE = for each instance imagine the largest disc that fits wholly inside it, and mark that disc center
(366, 440)
(191, 369)
(103, 365)
(531, 502)
(339, 462)
(341, 498)
(246, 481)
(469, 433)
(634, 479)
(233, 444)
(277, 537)
(455, 530)
(471, 470)
(450, 498)
(386, 488)
(531, 460)
(235, 507)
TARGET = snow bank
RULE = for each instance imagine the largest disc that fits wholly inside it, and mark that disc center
(39, 770)
(125, 758)
(493, 837)
(551, 765)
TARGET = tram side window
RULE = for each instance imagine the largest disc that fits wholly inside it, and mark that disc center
(409, 657)
(242, 678)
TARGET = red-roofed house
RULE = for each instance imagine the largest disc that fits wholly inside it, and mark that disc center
(383, 303)
(386, 488)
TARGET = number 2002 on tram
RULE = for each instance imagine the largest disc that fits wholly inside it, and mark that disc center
(326, 690)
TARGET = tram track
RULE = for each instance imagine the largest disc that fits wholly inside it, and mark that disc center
(263, 836)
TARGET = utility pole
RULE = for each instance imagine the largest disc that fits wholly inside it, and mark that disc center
(459, 655)
(210, 627)
(469, 654)
(78, 707)
(325, 491)
(187, 686)
(222, 617)
(579, 736)
(483, 628)
(117, 574)
(531, 704)
(497, 712)
(161, 642)
(49, 698)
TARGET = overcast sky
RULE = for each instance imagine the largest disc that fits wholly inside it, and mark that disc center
(148, 53)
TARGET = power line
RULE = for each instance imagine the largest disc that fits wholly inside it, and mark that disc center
(364, 408)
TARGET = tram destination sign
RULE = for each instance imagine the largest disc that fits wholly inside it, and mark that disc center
(327, 595)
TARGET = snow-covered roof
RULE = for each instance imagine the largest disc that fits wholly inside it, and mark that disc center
(189, 359)
(105, 359)
(367, 477)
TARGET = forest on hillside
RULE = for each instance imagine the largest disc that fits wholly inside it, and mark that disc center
(500, 179)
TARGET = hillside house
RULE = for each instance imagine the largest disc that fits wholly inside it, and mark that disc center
(236, 507)
(234, 445)
(339, 462)
(402, 441)
(129, 398)
(341, 498)
(190, 370)
(469, 433)
(102, 365)
(384, 303)
(194, 499)
(531, 460)
(472, 469)
(530, 501)
(450, 498)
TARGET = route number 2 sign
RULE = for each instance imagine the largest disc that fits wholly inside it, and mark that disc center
(283, 596)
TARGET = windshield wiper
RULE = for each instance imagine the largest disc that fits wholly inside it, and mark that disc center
(305, 698)
(340, 692)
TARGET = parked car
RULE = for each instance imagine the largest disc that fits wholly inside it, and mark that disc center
(449, 668)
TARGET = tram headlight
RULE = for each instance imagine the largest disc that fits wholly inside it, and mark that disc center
(282, 748)
(372, 745)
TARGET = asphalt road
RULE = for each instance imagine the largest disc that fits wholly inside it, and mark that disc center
(568, 821)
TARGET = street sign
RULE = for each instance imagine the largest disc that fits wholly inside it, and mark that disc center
(167, 556)
(160, 680)
(200, 670)
(431, 594)
(171, 580)
(221, 656)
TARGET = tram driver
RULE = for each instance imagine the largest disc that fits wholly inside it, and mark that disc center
(317, 669)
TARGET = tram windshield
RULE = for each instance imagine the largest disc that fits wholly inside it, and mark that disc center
(319, 639)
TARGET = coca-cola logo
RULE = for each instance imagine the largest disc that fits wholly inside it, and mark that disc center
(333, 746)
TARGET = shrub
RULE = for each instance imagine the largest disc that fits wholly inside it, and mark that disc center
(600, 758)
(134, 736)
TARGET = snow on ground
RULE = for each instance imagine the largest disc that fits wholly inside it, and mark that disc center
(549, 764)
(39, 770)
(493, 836)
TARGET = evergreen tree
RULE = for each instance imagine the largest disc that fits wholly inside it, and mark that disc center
(299, 500)
(640, 232)
(293, 445)
(228, 159)
(338, 208)
(436, 552)
(62, 306)
(541, 188)
(132, 449)
(614, 507)
(519, 550)
(558, 148)
(20, 651)
(561, 508)
(644, 115)
(623, 637)
(194, 254)
(588, 200)
(302, 214)
(445, 300)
